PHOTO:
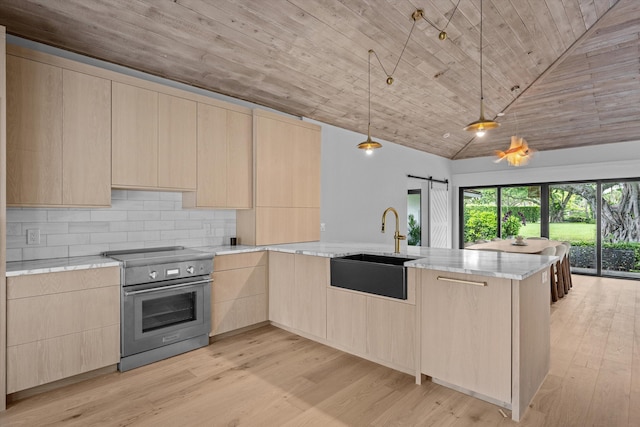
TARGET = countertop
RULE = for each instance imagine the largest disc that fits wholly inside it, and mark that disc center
(484, 263)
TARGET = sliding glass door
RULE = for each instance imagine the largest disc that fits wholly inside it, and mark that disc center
(601, 220)
(620, 228)
(572, 218)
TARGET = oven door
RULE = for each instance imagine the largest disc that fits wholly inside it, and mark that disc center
(158, 314)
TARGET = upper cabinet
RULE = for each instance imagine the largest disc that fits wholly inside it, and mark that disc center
(154, 139)
(58, 136)
(224, 159)
(287, 182)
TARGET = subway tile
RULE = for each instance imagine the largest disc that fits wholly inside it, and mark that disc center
(121, 246)
(188, 225)
(14, 255)
(68, 239)
(127, 205)
(143, 195)
(190, 243)
(202, 214)
(108, 237)
(15, 242)
(89, 227)
(85, 250)
(174, 215)
(197, 234)
(14, 229)
(126, 226)
(159, 205)
(118, 195)
(173, 234)
(45, 253)
(26, 215)
(159, 225)
(108, 215)
(71, 215)
(174, 196)
(159, 243)
(225, 214)
(143, 235)
(143, 215)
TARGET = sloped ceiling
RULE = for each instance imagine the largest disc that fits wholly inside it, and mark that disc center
(576, 62)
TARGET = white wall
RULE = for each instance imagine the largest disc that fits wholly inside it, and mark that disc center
(609, 161)
(357, 188)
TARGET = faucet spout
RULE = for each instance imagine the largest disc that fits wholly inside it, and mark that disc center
(397, 236)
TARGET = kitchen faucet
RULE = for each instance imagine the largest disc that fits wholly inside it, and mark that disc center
(397, 236)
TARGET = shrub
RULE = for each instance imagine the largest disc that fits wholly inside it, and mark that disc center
(480, 225)
(511, 223)
(414, 231)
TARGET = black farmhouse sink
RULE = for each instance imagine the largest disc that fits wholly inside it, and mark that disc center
(374, 274)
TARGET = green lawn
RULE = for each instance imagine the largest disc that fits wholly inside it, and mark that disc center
(571, 231)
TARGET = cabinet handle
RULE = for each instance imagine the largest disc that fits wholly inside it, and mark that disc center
(466, 282)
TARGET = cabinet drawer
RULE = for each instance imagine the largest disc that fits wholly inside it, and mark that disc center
(66, 281)
(235, 314)
(229, 262)
(41, 362)
(239, 283)
(48, 316)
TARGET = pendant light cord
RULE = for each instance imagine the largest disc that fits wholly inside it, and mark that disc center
(399, 57)
(445, 25)
(369, 123)
(481, 87)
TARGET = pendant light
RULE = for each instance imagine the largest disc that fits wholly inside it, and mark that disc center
(369, 145)
(481, 125)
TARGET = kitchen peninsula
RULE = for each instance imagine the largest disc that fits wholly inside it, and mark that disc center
(474, 321)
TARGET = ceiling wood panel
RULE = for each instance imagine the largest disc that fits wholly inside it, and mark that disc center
(576, 61)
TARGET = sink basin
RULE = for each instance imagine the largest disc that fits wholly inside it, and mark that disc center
(374, 274)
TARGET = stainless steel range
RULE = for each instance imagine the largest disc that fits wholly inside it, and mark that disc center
(166, 303)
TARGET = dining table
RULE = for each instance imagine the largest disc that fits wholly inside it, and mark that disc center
(528, 246)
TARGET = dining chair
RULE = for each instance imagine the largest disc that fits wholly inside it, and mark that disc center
(550, 251)
(568, 264)
(561, 251)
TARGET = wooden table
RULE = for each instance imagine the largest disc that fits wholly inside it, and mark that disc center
(533, 246)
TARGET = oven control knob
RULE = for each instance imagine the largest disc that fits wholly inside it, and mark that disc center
(153, 274)
(190, 269)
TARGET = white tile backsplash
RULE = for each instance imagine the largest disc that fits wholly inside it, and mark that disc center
(136, 219)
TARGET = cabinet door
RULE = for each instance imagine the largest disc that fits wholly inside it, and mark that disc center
(310, 296)
(134, 128)
(391, 331)
(34, 133)
(212, 156)
(347, 320)
(239, 160)
(176, 143)
(273, 162)
(466, 332)
(281, 288)
(305, 167)
(86, 157)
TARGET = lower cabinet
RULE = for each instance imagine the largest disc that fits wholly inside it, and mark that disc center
(372, 327)
(298, 292)
(61, 324)
(239, 291)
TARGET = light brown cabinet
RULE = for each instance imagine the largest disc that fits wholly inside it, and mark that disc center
(376, 328)
(225, 159)
(61, 324)
(298, 292)
(154, 139)
(287, 182)
(58, 136)
(238, 291)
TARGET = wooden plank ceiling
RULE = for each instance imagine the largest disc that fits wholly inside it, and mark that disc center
(576, 62)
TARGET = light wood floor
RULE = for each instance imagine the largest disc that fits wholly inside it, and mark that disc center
(268, 377)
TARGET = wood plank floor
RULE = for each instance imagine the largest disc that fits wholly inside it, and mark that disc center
(268, 377)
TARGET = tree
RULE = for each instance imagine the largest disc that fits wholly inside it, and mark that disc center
(414, 231)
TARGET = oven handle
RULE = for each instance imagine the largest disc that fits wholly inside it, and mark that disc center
(163, 288)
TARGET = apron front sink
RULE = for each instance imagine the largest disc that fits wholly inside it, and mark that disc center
(373, 274)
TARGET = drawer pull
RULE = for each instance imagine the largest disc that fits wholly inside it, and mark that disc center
(466, 282)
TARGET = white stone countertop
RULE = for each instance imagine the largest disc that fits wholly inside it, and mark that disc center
(55, 265)
(484, 263)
